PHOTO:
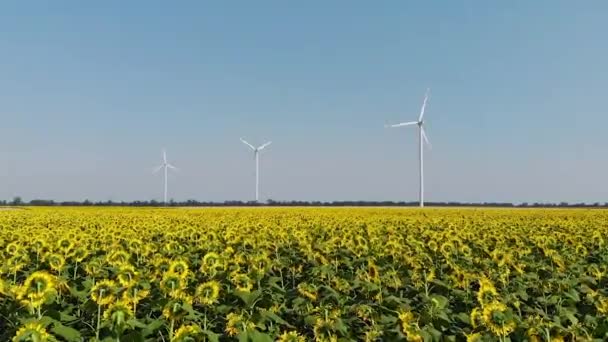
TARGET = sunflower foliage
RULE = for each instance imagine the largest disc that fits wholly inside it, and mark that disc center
(260, 274)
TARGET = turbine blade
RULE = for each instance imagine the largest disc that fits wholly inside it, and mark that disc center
(426, 97)
(264, 146)
(425, 138)
(402, 124)
(172, 167)
(165, 156)
(156, 169)
(248, 144)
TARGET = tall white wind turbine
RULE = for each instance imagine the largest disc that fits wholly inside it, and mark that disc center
(256, 152)
(422, 139)
(166, 166)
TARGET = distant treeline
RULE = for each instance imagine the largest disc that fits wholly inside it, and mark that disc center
(17, 201)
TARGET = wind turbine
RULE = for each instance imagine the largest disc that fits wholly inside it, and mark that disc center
(422, 139)
(165, 165)
(256, 152)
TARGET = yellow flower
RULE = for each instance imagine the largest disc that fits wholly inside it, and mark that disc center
(176, 308)
(242, 282)
(172, 284)
(308, 290)
(34, 332)
(291, 336)
(56, 262)
(208, 293)
(495, 319)
(103, 293)
(118, 313)
(236, 324)
(127, 275)
(187, 333)
(179, 267)
(37, 289)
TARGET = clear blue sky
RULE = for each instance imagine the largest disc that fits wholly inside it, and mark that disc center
(91, 92)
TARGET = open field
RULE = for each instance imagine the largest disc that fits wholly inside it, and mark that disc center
(299, 274)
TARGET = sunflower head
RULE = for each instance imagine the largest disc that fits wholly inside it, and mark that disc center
(79, 254)
(117, 314)
(187, 333)
(118, 258)
(177, 308)
(136, 292)
(32, 332)
(179, 267)
(208, 293)
(38, 288)
(237, 323)
(242, 282)
(127, 275)
(95, 268)
(172, 283)
(56, 261)
(308, 291)
(498, 319)
(291, 336)
(103, 293)
(211, 264)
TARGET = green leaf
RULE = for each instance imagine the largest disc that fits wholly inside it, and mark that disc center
(275, 318)
(134, 336)
(213, 337)
(69, 334)
(249, 298)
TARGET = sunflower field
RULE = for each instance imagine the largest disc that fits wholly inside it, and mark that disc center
(303, 274)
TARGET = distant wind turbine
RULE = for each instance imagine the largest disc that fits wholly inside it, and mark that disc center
(256, 152)
(422, 139)
(165, 165)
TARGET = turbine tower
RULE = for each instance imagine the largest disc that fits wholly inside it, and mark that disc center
(256, 152)
(422, 139)
(165, 165)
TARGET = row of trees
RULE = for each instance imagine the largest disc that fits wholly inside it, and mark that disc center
(17, 201)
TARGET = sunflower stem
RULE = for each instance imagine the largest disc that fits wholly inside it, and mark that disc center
(98, 321)
(171, 330)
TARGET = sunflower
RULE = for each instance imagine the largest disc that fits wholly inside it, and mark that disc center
(473, 337)
(172, 284)
(211, 264)
(161, 265)
(103, 293)
(208, 293)
(13, 248)
(118, 258)
(308, 290)
(187, 333)
(236, 324)
(323, 330)
(34, 332)
(487, 292)
(179, 267)
(79, 254)
(127, 275)
(117, 314)
(65, 245)
(409, 326)
(373, 275)
(56, 261)
(242, 282)
(135, 292)
(177, 308)
(95, 268)
(37, 289)
(496, 317)
(291, 336)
